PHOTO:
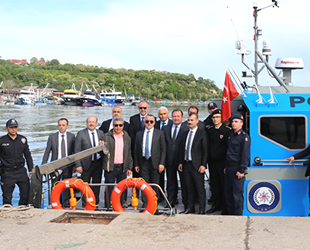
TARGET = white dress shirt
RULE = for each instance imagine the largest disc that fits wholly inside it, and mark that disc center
(173, 128)
(96, 140)
(191, 143)
(59, 144)
(150, 141)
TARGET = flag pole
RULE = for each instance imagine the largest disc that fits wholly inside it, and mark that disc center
(231, 76)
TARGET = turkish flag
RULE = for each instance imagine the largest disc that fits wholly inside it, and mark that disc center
(229, 93)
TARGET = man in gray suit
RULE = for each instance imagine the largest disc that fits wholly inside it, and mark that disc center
(119, 164)
(91, 166)
(61, 144)
(150, 153)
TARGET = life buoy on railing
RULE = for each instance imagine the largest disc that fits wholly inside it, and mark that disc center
(136, 183)
(73, 183)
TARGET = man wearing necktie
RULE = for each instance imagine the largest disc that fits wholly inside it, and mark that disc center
(91, 166)
(150, 153)
(193, 160)
(61, 144)
(137, 124)
(163, 121)
(174, 134)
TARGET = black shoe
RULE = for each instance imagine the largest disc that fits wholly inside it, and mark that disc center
(125, 205)
(213, 209)
(202, 212)
(188, 211)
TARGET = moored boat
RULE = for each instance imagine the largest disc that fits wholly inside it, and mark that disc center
(112, 97)
(72, 97)
(90, 98)
(276, 118)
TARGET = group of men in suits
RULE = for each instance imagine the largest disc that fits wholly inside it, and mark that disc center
(63, 143)
(146, 147)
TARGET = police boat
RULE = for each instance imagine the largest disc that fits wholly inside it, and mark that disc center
(276, 118)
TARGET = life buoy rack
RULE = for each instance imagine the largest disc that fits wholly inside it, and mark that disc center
(137, 183)
(73, 183)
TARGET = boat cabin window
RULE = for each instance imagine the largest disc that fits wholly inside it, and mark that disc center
(287, 131)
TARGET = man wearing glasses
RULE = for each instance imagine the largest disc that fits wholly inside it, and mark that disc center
(150, 153)
(137, 124)
(218, 135)
(119, 165)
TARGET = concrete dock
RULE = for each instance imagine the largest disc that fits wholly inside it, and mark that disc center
(33, 229)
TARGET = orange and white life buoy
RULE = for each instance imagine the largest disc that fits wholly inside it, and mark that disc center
(73, 183)
(137, 183)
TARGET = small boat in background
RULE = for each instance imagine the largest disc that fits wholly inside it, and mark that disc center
(112, 97)
(26, 96)
(90, 98)
(72, 97)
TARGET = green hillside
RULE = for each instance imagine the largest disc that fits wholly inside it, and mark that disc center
(148, 84)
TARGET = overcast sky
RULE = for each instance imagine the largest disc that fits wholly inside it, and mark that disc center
(177, 36)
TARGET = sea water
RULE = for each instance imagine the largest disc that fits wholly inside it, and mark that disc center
(37, 122)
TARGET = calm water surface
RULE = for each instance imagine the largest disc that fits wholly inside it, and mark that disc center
(37, 122)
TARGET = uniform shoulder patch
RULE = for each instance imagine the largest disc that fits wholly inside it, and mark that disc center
(246, 139)
(210, 127)
(228, 127)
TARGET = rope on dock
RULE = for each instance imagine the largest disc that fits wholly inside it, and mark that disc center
(7, 208)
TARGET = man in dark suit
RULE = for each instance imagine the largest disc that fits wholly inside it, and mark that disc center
(91, 166)
(119, 164)
(108, 124)
(193, 164)
(174, 135)
(61, 144)
(163, 121)
(136, 125)
(150, 153)
(195, 110)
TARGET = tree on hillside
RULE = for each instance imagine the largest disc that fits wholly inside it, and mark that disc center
(33, 59)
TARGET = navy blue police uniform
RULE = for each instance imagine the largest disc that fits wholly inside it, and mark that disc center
(237, 160)
(216, 161)
(12, 156)
(208, 121)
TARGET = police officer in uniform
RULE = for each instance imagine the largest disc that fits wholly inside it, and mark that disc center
(218, 135)
(237, 160)
(14, 150)
(211, 107)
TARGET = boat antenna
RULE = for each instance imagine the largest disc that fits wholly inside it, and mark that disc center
(233, 23)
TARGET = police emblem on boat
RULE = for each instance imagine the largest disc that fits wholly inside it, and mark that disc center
(264, 197)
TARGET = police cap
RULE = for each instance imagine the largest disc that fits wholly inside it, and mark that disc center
(241, 107)
(217, 111)
(212, 105)
(237, 116)
(11, 123)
